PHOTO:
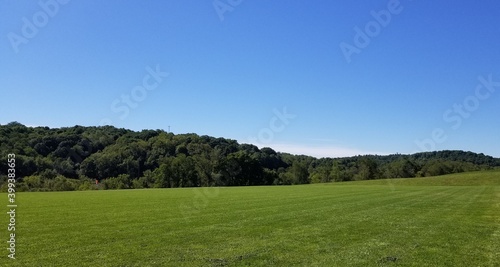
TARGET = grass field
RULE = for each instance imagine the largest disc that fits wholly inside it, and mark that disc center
(439, 221)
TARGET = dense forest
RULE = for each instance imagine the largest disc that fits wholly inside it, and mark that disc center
(84, 158)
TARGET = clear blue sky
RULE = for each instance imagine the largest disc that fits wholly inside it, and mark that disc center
(230, 69)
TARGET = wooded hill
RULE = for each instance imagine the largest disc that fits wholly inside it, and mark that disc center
(73, 158)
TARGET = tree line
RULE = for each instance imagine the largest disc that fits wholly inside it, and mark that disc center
(85, 158)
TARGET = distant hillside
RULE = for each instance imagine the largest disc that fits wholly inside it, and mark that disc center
(74, 158)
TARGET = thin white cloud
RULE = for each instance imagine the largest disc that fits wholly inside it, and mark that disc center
(324, 140)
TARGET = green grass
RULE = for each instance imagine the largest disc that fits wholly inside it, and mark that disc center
(491, 177)
(439, 221)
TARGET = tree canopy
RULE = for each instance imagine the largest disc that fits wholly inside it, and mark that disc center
(74, 158)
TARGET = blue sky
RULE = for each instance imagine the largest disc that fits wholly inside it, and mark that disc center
(424, 75)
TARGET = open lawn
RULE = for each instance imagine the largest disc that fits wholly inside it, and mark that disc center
(451, 220)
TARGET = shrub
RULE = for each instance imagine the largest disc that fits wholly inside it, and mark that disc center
(120, 182)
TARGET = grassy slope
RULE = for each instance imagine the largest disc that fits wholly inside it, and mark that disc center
(417, 222)
(491, 177)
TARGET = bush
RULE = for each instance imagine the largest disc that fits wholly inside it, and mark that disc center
(60, 183)
(87, 184)
(146, 181)
(33, 183)
(120, 182)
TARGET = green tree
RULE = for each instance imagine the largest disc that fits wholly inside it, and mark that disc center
(299, 173)
(367, 169)
(337, 173)
(122, 181)
(163, 175)
(401, 168)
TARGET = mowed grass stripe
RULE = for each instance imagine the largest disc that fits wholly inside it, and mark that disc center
(318, 206)
(493, 250)
(351, 224)
(374, 228)
(284, 219)
(360, 245)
